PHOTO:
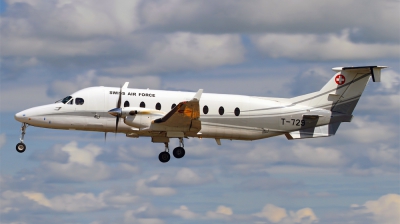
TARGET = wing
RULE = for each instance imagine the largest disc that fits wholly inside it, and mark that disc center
(184, 116)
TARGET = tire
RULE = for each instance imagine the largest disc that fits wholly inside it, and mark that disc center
(164, 157)
(21, 147)
(179, 152)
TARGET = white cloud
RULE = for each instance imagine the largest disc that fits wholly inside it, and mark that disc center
(80, 166)
(272, 213)
(11, 201)
(322, 47)
(66, 28)
(63, 88)
(184, 177)
(143, 188)
(3, 140)
(185, 213)
(117, 199)
(19, 99)
(384, 156)
(245, 82)
(182, 50)
(385, 210)
(222, 212)
(376, 104)
(261, 16)
(360, 131)
(84, 157)
(390, 80)
(268, 184)
(129, 217)
(77, 202)
(311, 80)
(300, 153)
(277, 214)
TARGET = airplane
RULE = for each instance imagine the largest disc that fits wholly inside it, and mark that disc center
(164, 115)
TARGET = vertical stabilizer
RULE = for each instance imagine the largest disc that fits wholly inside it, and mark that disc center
(344, 89)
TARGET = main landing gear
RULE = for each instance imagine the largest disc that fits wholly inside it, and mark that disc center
(178, 152)
(21, 147)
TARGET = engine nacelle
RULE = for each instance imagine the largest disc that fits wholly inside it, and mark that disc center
(138, 120)
(140, 117)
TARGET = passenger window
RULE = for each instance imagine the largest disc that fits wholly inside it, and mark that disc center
(158, 106)
(79, 101)
(126, 104)
(237, 111)
(205, 109)
(142, 104)
(221, 110)
(173, 106)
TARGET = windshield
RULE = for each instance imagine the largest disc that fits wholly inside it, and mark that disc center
(66, 99)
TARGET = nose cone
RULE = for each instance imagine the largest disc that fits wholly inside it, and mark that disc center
(20, 116)
(115, 112)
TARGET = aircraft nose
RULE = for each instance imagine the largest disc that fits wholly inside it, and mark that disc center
(20, 116)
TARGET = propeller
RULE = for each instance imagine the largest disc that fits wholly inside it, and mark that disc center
(117, 112)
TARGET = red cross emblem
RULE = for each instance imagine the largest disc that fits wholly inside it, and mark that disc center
(340, 79)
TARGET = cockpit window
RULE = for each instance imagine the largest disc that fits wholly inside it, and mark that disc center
(79, 101)
(66, 99)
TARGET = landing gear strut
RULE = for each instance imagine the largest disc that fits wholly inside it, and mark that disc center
(21, 147)
(164, 156)
(179, 151)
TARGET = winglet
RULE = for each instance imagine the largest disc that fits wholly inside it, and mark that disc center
(125, 85)
(198, 95)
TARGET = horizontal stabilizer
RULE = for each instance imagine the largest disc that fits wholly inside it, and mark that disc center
(315, 132)
(374, 70)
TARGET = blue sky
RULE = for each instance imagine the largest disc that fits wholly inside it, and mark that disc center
(50, 49)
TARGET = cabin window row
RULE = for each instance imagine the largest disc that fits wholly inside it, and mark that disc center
(143, 105)
(221, 109)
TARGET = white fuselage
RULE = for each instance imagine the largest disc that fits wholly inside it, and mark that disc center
(259, 117)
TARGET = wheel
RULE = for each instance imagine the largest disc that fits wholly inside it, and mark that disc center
(21, 147)
(164, 157)
(179, 152)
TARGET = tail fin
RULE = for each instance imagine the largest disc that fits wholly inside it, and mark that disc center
(340, 95)
(342, 92)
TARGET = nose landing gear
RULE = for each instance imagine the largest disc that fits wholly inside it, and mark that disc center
(21, 147)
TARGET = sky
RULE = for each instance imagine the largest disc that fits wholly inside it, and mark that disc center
(50, 49)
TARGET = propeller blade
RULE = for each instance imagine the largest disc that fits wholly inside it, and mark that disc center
(116, 125)
(105, 136)
(117, 112)
(119, 98)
